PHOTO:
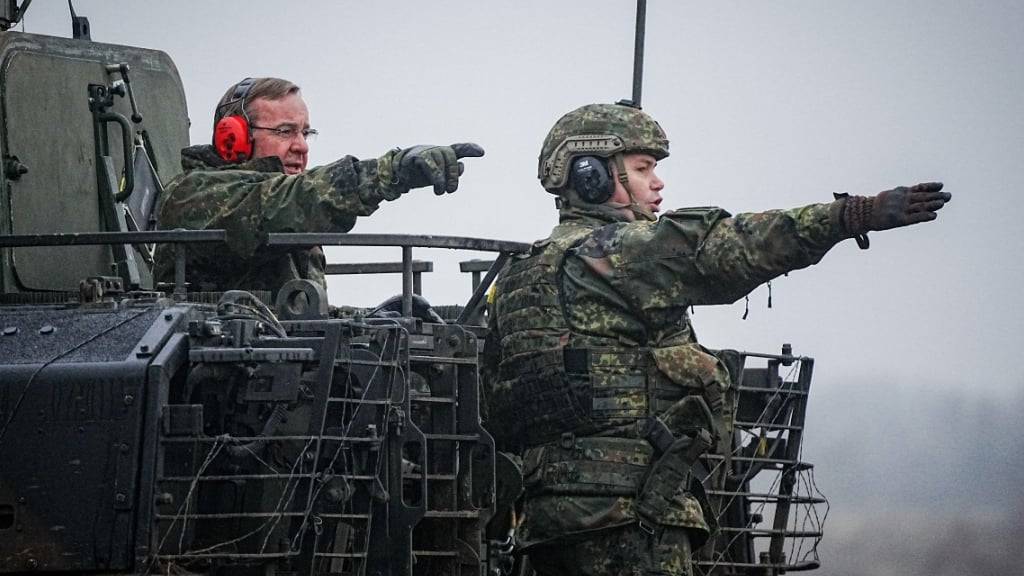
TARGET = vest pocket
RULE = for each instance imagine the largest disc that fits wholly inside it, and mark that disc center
(589, 466)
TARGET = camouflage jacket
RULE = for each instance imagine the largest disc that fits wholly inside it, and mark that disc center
(612, 298)
(253, 199)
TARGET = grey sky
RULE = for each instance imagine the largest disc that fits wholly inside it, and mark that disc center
(767, 105)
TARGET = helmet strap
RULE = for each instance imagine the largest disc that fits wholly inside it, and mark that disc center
(620, 169)
(633, 206)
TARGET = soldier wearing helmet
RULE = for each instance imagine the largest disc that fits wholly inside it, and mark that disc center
(598, 380)
(585, 154)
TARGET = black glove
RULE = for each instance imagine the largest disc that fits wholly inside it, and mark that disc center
(434, 165)
(900, 206)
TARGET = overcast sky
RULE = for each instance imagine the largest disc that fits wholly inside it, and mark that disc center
(767, 105)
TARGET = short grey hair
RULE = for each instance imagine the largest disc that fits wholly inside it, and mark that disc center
(265, 88)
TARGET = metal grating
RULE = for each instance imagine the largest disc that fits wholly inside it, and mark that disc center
(370, 458)
(763, 493)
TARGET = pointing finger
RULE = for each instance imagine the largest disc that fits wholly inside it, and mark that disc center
(468, 150)
(927, 187)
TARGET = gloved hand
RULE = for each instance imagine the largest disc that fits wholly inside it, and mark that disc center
(900, 206)
(434, 165)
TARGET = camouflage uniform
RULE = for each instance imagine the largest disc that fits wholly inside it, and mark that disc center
(256, 198)
(592, 335)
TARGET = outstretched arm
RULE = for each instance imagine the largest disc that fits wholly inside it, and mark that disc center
(742, 252)
(706, 256)
(254, 199)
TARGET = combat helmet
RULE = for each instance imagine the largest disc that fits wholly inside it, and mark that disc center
(602, 130)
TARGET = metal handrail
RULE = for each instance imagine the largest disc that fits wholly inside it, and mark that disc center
(100, 238)
(182, 237)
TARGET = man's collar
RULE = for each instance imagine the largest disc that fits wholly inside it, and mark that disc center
(579, 212)
(205, 157)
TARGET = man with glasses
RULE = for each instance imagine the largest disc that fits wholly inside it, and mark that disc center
(252, 181)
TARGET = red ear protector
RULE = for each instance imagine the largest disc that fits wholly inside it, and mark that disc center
(232, 137)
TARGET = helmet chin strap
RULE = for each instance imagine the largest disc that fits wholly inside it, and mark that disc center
(633, 206)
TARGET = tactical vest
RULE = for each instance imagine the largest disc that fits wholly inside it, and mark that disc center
(614, 428)
(582, 409)
(552, 381)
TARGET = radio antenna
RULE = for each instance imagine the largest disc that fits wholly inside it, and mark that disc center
(638, 51)
(638, 55)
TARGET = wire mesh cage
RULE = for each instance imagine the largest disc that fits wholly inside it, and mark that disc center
(344, 448)
(768, 507)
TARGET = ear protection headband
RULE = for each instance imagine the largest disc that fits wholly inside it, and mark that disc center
(590, 177)
(232, 136)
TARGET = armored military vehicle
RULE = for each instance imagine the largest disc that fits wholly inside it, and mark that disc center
(145, 429)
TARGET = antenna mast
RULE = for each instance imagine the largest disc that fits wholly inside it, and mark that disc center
(638, 51)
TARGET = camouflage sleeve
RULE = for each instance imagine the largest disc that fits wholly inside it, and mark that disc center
(741, 252)
(250, 204)
(704, 255)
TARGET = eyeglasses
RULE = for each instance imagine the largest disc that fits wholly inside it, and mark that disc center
(287, 132)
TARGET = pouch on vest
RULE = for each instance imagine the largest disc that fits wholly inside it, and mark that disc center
(580, 485)
(588, 467)
(667, 496)
(539, 404)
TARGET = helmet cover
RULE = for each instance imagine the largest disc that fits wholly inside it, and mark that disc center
(597, 130)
